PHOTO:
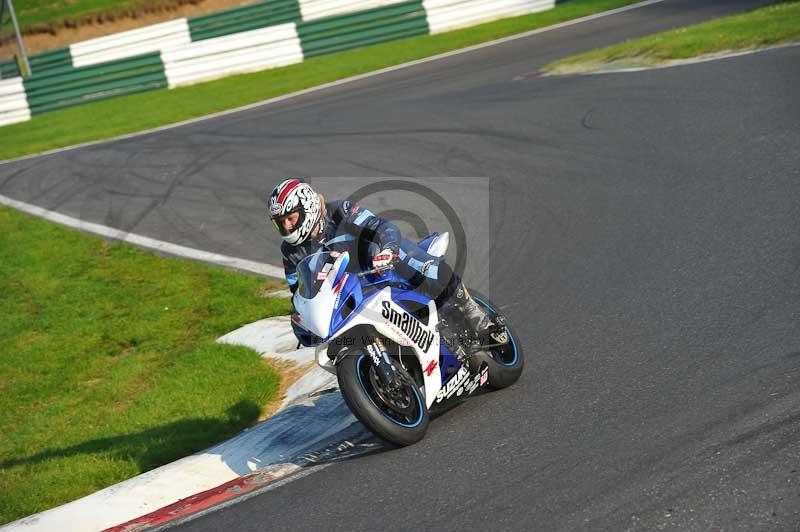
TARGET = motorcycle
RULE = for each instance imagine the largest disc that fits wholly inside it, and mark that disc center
(396, 359)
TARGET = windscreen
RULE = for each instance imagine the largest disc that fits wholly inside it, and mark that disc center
(312, 272)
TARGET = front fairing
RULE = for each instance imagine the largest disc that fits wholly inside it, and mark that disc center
(327, 293)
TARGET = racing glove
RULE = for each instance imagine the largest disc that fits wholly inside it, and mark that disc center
(384, 258)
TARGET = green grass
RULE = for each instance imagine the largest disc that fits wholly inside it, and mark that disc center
(106, 119)
(33, 12)
(762, 27)
(108, 364)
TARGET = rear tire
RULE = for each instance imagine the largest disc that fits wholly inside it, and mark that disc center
(505, 364)
(355, 374)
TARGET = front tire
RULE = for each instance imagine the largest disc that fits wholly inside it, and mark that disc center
(505, 363)
(401, 419)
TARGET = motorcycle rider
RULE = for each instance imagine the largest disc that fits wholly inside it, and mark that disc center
(306, 222)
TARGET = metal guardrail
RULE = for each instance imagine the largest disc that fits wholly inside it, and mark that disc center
(8, 69)
(447, 15)
(247, 51)
(129, 43)
(362, 28)
(13, 104)
(268, 34)
(67, 86)
(240, 19)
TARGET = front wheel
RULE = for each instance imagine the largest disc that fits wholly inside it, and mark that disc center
(505, 362)
(397, 415)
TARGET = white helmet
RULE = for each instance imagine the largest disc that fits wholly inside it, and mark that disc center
(295, 195)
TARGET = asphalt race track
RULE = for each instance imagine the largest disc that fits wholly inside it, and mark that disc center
(645, 238)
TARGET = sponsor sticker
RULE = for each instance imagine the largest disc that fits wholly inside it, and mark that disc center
(408, 325)
(431, 367)
(322, 275)
(455, 384)
(374, 354)
(461, 384)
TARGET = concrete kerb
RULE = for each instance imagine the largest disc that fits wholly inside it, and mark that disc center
(313, 426)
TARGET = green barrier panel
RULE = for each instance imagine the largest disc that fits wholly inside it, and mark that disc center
(40, 63)
(9, 69)
(245, 18)
(45, 61)
(362, 28)
(65, 92)
(158, 82)
(64, 76)
(364, 38)
(65, 87)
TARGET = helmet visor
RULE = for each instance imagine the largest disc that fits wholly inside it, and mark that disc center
(288, 223)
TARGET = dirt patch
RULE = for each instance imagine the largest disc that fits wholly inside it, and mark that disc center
(290, 373)
(42, 37)
(272, 287)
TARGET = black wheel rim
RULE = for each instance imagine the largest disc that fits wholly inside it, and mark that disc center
(401, 405)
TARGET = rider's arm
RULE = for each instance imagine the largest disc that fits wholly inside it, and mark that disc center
(358, 221)
(290, 271)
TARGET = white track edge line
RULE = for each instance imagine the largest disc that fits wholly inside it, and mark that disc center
(344, 81)
(146, 242)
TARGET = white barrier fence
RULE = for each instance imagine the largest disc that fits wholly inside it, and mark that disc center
(186, 62)
(446, 15)
(443, 15)
(232, 54)
(13, 102)
(316, 9)
(129, 43)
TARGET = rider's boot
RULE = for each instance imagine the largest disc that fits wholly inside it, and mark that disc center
(478, 320)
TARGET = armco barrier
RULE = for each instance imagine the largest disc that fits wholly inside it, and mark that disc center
(13, 102)
(268, 34)
(130, 43)
(50, 60)
(8, 69)
(40, 63)
(74, 86)
(255, 16)
(241, 52)
(446, 15)
(316, 9)
(353, 30)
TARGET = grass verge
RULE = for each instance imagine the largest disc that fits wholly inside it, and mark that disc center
(106, 119)
(108, 365)
(759, 28)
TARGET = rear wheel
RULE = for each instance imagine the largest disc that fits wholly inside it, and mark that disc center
(397, 414)
(505, 362)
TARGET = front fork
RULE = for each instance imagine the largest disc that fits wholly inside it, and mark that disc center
(384, 368)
